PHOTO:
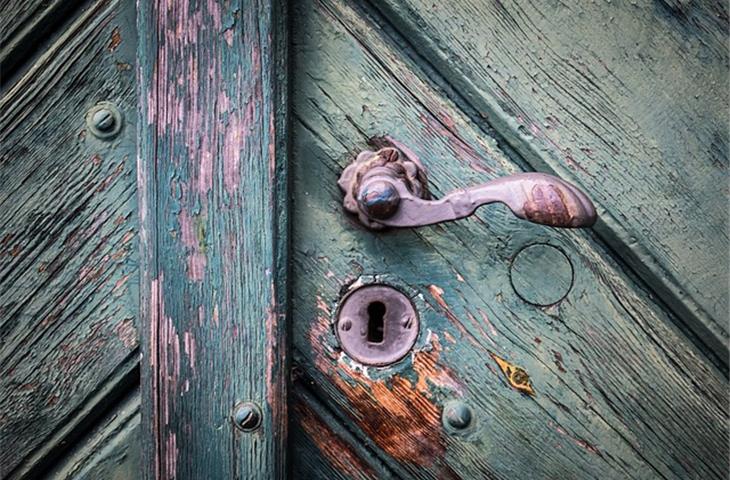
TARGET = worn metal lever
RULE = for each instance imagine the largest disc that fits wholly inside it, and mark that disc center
(388, 188)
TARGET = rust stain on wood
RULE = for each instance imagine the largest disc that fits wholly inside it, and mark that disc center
(401, 416)
(331, 445)
(516, 376)
(429, 371)
(116, 39)
(437, 293)
(398, 417)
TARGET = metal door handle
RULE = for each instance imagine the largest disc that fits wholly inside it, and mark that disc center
(389, 188)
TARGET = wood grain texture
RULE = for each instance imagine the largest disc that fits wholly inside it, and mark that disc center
(110, 451)
(68, 285)
(25, 26)
(212, 183)
(320, 444)
(629, 100)
(619, 392)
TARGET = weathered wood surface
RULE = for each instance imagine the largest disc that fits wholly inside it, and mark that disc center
(619, 391)
(110, 451)
(68, 248)
(628, 99)
(320, 444)
(212, 183)
(26, 25)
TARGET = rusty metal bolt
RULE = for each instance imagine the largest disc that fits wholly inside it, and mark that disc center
(457, 415)
(247, 416)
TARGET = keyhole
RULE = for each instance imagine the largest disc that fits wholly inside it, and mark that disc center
(376, 322)
(376, 325)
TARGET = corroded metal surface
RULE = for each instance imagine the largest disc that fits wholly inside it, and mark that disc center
(397, 330)
(370, 180)
(389, 188)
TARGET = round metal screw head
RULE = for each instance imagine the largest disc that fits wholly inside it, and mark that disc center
(247, 416)
(457, 415)
(103, 120)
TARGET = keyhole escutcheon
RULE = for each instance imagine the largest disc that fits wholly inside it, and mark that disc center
(377, 325)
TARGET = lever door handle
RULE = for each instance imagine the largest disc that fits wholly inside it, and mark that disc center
(389, 188)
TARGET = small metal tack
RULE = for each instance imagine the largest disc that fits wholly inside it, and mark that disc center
(457, 415)
(104, 120)
(247, 416)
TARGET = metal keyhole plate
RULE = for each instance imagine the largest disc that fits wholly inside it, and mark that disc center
(377, 325)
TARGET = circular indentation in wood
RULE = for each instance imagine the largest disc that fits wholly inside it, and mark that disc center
(541, 274)
(456, 415)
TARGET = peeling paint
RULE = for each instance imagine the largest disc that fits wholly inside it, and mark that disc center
(516, 376)
(400, 415)
(190, 228)
(127, 333)
(336, 450)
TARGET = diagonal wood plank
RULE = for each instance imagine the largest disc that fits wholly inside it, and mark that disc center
(110, 450)
(212, 183)
(68, 285)
(619, 391)
(629, 100)
(26, 27)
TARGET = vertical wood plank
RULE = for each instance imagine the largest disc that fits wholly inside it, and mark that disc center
(212, 190)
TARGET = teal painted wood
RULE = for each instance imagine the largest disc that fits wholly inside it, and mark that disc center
(321, 445)
(619, 391)
(68, 253)
(111, 450)
(629, 100)
(212, 185)
(27, 25)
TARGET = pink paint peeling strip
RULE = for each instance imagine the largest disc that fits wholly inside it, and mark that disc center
(171, 453)
(233, 144)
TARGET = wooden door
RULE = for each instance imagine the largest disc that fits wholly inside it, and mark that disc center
(621, 329)
(69, 352)
(540, 353)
